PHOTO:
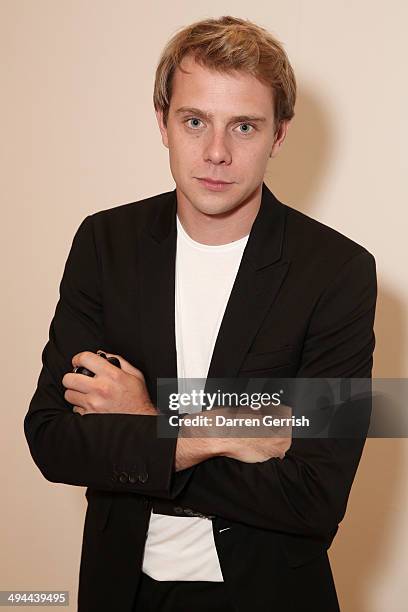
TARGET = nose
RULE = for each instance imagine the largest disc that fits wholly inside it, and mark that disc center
(217, 150)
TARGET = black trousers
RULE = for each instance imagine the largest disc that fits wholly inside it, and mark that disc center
(181, 596)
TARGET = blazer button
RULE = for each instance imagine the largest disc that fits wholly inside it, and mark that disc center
(123, 477)
(143, 477)
(178, 510)
(189, 512)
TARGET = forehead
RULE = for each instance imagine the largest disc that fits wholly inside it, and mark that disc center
(196, 85)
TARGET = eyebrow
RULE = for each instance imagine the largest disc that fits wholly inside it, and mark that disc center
(238, 118)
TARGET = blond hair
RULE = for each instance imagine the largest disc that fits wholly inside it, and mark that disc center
(227, 44)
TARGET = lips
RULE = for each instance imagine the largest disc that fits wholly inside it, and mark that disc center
(211, 185)
(213, 181)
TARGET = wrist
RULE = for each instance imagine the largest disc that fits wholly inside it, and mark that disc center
(219, 447)
(225, 447)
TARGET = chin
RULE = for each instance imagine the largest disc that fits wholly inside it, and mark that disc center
(214, 207)
(214, 203)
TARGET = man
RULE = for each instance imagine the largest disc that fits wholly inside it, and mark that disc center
(214, 279)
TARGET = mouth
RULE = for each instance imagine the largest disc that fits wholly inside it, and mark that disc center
(213, 185)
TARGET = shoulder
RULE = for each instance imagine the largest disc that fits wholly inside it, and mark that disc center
(320, 255)
(312, 241)
(131, 216)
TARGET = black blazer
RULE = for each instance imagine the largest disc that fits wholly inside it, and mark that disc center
(302, 305)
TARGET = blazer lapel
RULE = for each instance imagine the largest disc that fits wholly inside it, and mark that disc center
(256, 286)
(157, 281)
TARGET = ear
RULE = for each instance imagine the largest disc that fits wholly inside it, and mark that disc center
(280, 137)
(162, 127)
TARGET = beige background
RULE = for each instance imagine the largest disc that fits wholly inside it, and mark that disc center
(79, 135)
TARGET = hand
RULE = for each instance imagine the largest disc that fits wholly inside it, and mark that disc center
(273, 444)
(111, 390)
(256, 450)
(198, 443)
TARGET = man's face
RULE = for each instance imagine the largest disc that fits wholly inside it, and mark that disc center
(221, 127)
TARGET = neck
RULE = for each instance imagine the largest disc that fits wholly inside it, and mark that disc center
(221, 228)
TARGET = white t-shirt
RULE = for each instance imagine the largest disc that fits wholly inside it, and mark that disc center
(182, 547)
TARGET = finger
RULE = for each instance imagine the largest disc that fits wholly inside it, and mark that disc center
(76, 398)
(126, 366)
(79, 410)
(93, 362)
(78, 382)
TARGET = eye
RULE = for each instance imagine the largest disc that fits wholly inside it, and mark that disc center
(247, 125)
(195, 119)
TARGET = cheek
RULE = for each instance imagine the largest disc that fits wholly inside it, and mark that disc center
(185, 153)
(178, 144)
(248, 157)
(257, 157)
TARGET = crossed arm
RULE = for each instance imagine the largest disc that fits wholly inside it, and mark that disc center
(305, 492)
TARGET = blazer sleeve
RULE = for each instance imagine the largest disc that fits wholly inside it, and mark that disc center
(306, 492)
(114, 452)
